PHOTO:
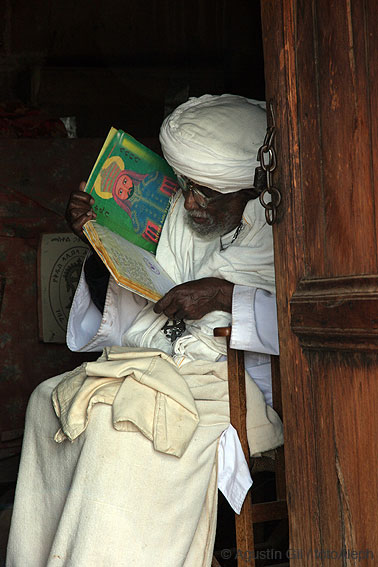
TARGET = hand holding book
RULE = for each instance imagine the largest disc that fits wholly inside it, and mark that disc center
(79, 211)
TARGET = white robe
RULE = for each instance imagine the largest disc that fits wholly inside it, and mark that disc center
(109, 498)
(129, 320)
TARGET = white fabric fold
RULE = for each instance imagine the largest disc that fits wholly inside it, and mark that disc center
(214, 140)
(185, 256)
(145, 389)
(234, 477)
(109, 499)
(114, 475)
(148, 392)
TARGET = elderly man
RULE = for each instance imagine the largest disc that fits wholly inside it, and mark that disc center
(148, 422)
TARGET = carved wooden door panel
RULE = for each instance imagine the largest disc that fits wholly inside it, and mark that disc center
(322, 75)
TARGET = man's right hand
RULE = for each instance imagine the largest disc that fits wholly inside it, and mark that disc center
(79, 211)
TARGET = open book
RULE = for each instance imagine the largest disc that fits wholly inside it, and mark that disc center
(132, 187)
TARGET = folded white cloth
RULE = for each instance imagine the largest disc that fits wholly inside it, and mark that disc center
(109, 499)
(234, 478)
(214, 140)
(149, 506)
(144, 388)
(150, 394)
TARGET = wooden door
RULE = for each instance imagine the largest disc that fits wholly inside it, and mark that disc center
(322, 75)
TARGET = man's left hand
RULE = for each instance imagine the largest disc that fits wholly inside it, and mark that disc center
(193, 300)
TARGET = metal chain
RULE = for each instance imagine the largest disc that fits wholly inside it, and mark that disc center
(268, 160)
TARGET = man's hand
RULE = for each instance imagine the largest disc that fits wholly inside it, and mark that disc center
(193, 300)
(79, 211)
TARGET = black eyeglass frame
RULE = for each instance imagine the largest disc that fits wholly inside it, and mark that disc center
(187, 185)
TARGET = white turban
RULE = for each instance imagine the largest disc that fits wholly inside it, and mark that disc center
(214, 140)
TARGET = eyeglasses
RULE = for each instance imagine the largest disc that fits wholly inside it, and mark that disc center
(187, 185)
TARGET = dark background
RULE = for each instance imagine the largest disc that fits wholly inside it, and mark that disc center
(123, 64)
(120, 63)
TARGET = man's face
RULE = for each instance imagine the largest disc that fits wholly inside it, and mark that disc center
(220, 216)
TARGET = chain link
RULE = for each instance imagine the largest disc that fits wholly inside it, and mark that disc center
(268, 161)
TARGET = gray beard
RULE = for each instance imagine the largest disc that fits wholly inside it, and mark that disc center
(211, 229)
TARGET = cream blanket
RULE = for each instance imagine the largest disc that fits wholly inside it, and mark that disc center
(112, 499)
(149, 393)
(146, 392)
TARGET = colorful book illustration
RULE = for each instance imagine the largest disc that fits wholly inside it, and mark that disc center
(132, 187)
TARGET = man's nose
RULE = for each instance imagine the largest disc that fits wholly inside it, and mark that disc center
(190, 203)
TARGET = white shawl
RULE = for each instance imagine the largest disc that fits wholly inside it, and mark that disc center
(185, 256)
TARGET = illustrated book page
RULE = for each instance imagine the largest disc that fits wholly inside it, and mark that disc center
(132, 187)
(132, 267)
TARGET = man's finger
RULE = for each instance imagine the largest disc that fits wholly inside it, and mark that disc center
(179, 315)
(163, 303)
(80, 198)
(78, 212)
(158, 308)
(82, 186)
(77, 225)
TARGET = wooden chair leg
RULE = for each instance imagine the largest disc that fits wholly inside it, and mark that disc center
(238, 414)
(245, 544)
(259, 512)
(215, 562)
